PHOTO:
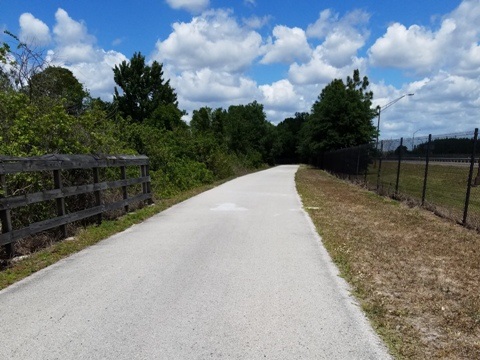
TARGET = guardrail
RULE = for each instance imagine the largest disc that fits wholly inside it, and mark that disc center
(56, 164)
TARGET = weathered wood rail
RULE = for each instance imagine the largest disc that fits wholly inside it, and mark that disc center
(56, 164)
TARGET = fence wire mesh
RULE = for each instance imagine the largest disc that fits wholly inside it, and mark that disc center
(440, 172)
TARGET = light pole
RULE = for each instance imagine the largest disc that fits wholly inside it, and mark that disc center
(413, 138)
(384, 107)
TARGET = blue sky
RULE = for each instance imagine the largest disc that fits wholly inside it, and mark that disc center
(281, 53)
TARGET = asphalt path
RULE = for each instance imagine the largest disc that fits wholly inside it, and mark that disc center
(237, 272)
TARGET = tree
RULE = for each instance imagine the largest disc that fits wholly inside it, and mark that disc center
(166, 117)
(245, 127)
(143, 90)
(58, 85)
(27, 130)
(202, 120)
(218, 124)
(401, 150)
(448, 146)
(21, 64)
(288, 138)
(341, 117)
(5, 84)
(207, 120)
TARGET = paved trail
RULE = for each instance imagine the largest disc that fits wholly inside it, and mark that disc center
(234, 273)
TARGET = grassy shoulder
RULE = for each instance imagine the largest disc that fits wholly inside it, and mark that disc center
(415, 275)
(88, 236)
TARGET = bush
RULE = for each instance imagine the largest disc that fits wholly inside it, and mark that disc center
(181, 175)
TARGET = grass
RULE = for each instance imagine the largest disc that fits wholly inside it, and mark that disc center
(85, 237)
(415, 274)
(446, 187)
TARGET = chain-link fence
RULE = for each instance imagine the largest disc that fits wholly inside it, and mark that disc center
(441, 172)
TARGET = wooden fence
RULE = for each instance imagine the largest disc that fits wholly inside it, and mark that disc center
(55, 164)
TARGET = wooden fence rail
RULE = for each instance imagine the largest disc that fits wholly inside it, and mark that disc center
(56, 164)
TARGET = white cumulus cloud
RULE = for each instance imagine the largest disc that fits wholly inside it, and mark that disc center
(76, 50)
(74, 43)
(205, 87)
(343, 36)
(69, 31)
(256, 22)
(339, 49)
(97, 74)
(453, 46)
(213, 40)
(323, 25)
(319, 69)
(281, 95)
(443, 103)
(208, 86)
(353, 24)
(290, 44)
(443, 63)
(33, 31)
(415, 48)
(194, 6)
(336, 56)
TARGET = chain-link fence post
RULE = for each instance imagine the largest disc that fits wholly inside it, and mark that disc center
(400, 151)
(379, 171)
(427, 160)
(470, 176)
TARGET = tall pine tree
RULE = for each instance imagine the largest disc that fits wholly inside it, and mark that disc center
(341, 117)
(144, 93)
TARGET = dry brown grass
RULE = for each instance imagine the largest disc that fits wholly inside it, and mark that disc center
(416, 275)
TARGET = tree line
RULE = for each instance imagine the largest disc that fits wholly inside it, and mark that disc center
(45, 109)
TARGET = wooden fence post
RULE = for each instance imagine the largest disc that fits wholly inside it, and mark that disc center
(98, 195)
(5, 217)
(143, 173)
(146, 185)
(123, 173)
(57, 180)
(149, 190)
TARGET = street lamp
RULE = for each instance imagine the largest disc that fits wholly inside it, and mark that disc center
(384, 107)
(413, 138)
